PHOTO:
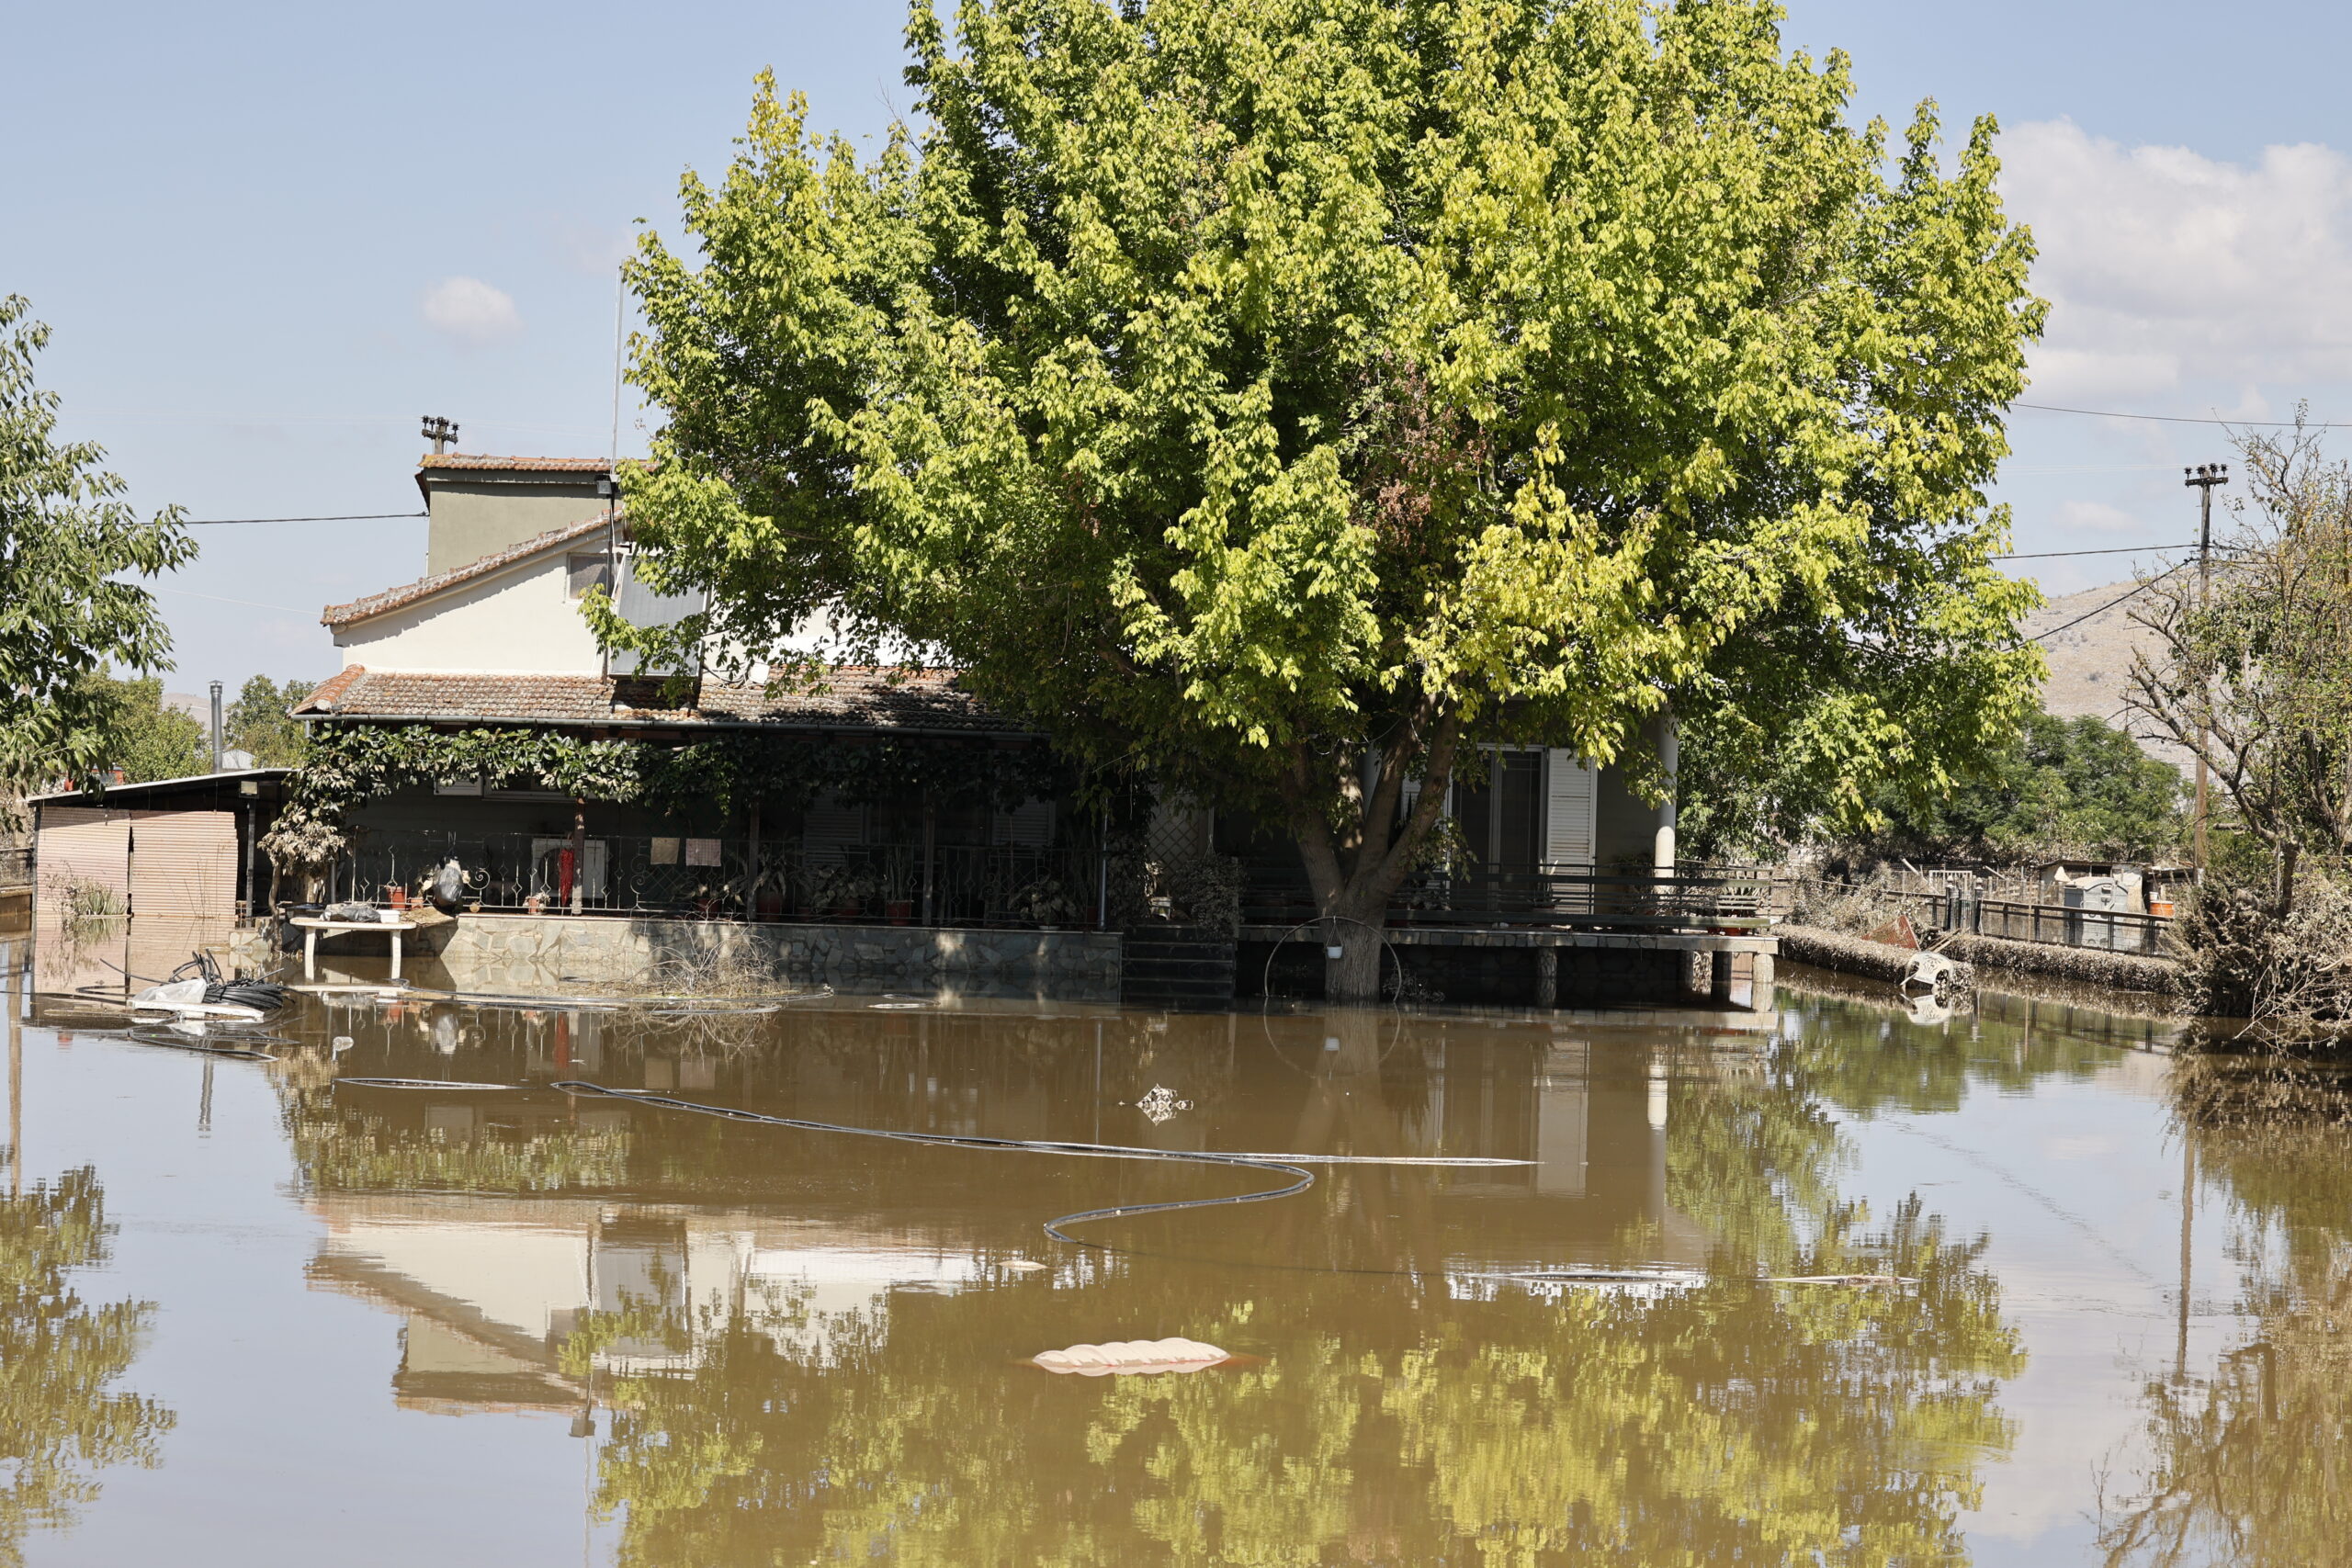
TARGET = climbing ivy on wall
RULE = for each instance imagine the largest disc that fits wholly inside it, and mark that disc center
(349, 765)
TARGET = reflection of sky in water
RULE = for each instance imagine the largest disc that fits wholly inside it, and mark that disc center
(373, 1375)
(2066, 1182)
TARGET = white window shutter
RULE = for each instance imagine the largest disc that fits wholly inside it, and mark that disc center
(1568, 803)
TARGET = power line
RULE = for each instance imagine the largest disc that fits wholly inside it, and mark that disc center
(346, 517)
(2119, 550)
(2187, 419)
(2111, 603)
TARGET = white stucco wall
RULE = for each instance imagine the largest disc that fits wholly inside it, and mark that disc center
(522, 620)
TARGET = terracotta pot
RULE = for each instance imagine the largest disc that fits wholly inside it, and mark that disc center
(900, 910)
(2160, 908)
(847, 912)
(399, 897)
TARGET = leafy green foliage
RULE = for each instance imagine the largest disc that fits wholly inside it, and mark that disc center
(59, 1421)
(2065, 787)
(257, 722)
(346, 765)
(1279, 396)
(65, 535)
(147, 740)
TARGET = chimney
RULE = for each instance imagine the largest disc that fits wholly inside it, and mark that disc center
(479, 504)
(216, 726)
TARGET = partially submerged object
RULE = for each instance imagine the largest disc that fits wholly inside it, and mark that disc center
(197, 990)
(185, 998)
(1126, 1356)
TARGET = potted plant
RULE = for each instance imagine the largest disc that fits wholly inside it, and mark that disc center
(1044, 902)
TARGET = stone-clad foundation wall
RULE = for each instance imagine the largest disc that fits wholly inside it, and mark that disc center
(533, 951)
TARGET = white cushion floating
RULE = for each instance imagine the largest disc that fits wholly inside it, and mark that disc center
(1125, 1356)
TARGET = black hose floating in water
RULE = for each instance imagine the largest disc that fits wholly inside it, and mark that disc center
(1285, 1165)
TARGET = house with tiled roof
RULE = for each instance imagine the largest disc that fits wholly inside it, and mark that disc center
(491, 643)
(491, 731)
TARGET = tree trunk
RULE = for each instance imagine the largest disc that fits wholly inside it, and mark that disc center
(1355, 975)
(2289, 852)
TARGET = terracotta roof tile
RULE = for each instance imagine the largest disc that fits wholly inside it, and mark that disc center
(850, 698)
(540, 465)
(329, 691)
(340, 616)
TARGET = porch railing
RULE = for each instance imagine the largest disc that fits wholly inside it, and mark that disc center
(996, 885)
(1714, 897)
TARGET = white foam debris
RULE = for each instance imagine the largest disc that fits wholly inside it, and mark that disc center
(1132, 1356)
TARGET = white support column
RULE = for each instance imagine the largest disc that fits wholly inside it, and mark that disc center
(1669, 756)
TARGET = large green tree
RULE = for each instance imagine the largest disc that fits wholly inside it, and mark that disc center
(2063, 787)
(1284, 396)
(146, 737)
(65, 535)
(260, 722)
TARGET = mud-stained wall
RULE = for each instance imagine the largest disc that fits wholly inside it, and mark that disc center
(539, 952)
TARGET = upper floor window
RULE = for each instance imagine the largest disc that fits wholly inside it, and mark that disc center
(586, 571)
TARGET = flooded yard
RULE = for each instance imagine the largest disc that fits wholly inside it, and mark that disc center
(1823, 1284)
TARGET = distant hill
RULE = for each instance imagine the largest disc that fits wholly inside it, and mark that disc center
(2090, 662)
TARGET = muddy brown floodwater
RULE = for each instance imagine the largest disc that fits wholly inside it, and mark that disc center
(251, 1314)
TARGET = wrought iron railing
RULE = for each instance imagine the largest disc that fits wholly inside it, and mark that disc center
(1719, 898)
(1956, 908)
(996, 884)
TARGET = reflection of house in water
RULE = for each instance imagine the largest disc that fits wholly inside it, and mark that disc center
(1594, 1118)
(656, 1234)
(490, 1288)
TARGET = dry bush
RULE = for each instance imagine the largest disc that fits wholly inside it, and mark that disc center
(2291, 977)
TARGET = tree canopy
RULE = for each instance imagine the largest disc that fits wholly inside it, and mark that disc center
(65, 535)
(1284, 396)
(259, 722)
(2063, 787)
(145, 738)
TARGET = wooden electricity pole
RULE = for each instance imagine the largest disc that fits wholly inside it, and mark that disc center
(2202, 479)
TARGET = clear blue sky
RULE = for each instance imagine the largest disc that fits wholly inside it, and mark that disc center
(244, 220)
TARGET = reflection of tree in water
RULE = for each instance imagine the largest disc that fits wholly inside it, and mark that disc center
(58, 1423)
(1868, 1059)
(2252, 1463)
(1408, 1418)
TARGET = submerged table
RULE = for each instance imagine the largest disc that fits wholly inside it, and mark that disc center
(313, 928)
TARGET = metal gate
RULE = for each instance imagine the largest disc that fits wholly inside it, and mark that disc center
(82, 860)
(184, 865)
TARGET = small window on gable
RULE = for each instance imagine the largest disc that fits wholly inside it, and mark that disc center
(586, 571)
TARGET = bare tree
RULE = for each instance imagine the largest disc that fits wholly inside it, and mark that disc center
(2253, 670)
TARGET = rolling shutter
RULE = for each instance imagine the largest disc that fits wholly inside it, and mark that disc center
(1028, 825)
(1568, 798)
(830, 827)
(184, 865)
(84, 847)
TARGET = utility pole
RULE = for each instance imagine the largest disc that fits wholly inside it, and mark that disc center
(2202, 479)
(442, 432)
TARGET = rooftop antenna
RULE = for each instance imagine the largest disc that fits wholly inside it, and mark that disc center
(442, 432)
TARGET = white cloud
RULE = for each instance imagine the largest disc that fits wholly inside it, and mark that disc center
(2096, 516)
(470, 312)
(2168, 270)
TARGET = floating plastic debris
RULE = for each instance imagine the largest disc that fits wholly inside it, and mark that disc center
(1122, 1357)
(1162, 1104)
